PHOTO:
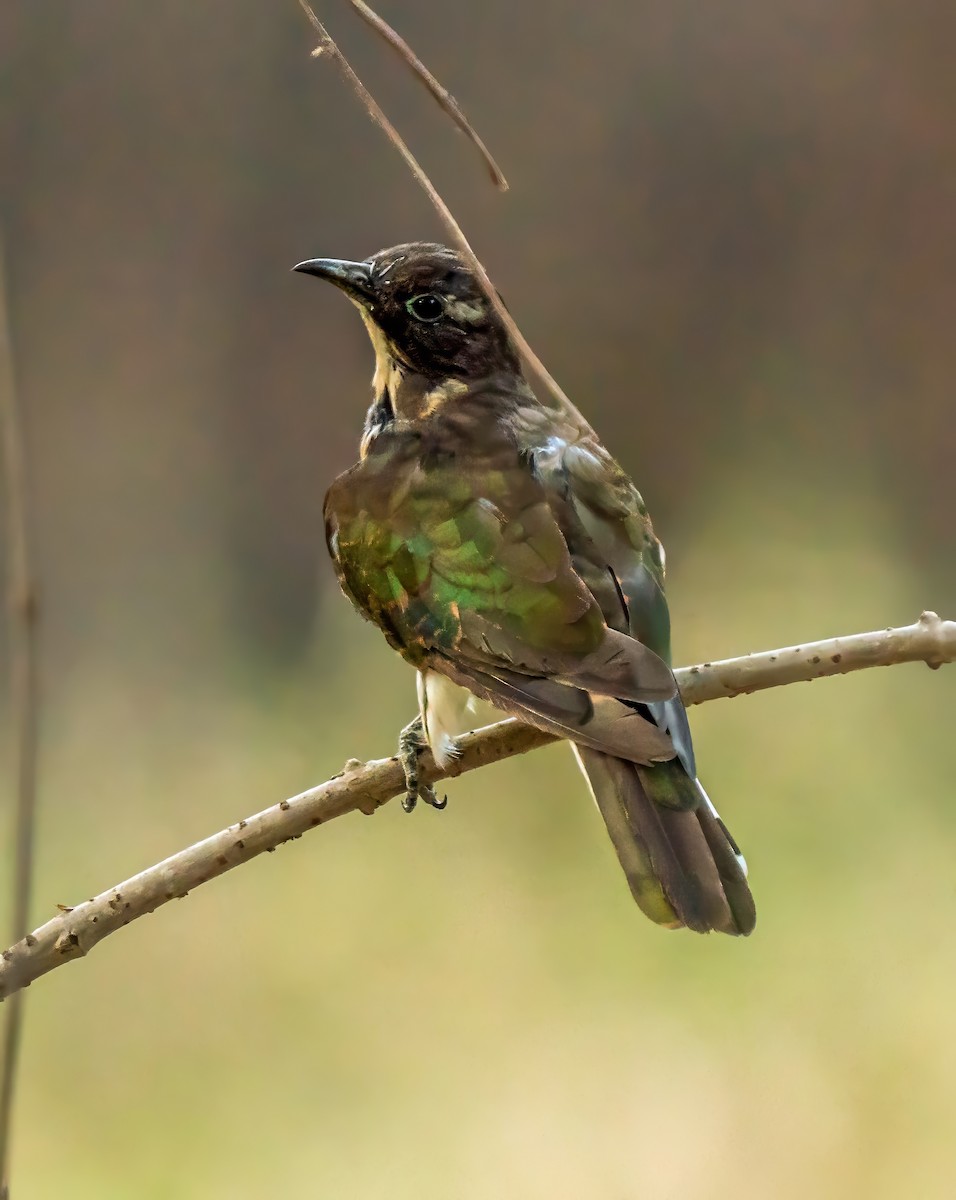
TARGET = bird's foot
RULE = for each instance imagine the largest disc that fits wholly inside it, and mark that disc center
(411, 743)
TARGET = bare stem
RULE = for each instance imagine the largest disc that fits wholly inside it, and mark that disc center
(440, 93)
(23, 699)
(367, 786)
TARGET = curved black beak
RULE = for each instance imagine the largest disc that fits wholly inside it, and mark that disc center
(354, 278)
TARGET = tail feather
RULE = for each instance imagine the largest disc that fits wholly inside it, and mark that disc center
(731, 868)
(682, 865)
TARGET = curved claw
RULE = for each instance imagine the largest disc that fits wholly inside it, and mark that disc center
(411, 743)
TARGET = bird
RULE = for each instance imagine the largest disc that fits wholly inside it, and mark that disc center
(508, 557)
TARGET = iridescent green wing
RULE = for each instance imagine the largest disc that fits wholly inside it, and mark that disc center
(426, 551)
(466, 570)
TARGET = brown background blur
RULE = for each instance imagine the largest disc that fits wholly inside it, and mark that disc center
(732, 236)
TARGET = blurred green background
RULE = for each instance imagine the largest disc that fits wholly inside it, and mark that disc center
(731, 236)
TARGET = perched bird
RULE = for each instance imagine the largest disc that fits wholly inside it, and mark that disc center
(502, 550)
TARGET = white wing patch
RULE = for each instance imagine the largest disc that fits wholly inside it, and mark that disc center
(585, 465)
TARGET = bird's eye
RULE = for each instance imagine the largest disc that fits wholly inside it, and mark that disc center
(427, 307)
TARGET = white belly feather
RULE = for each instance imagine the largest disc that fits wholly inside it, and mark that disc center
(448, 711)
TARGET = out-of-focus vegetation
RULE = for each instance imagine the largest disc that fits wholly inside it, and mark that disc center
(732, 243)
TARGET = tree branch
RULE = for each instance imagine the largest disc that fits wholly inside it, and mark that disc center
(367, 786)
(445, 100)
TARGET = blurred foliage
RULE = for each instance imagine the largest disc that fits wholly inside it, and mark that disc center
(730, 235)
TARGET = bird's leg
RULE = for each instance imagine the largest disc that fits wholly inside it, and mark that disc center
(411, 743)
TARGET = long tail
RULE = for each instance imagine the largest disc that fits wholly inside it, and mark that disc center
(682, 865)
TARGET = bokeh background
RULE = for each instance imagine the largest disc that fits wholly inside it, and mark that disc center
(732, 235)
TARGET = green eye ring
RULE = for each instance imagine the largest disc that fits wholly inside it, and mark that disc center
(427, 307)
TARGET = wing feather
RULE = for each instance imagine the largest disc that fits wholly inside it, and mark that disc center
(606, 525)
(465, 566)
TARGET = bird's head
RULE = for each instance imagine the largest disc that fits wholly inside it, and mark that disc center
(425, 312)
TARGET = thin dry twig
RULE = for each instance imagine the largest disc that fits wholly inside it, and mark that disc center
(440, 93)
(328, 45)
(367, 786)
(23, 698)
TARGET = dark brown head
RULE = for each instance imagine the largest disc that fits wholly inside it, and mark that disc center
(425, 313)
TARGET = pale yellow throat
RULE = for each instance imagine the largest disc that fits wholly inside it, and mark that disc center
(388, 374)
